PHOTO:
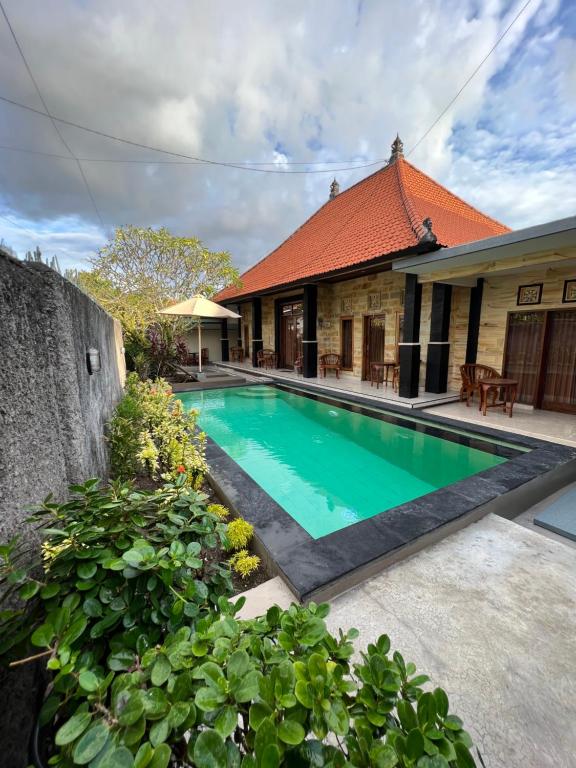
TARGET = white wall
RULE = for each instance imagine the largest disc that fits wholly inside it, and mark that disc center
(210, 338)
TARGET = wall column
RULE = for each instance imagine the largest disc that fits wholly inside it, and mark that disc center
(439, 345)
(224, 340)
(309, 342)
(257, 341)
(410, 345)
(239, 329)
(474, 313)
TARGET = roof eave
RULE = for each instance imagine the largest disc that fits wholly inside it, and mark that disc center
(363, 266)
(552, 235)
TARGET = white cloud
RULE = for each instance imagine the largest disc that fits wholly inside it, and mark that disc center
(267, 81)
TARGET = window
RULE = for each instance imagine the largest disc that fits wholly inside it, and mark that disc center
(347, 342)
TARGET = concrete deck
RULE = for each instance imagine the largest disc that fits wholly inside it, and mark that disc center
(489, 614)
(346, 384)
(543, 425)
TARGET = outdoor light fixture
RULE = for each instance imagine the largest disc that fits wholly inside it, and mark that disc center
(93, 360)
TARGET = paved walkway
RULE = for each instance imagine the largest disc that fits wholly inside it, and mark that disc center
(490, 615)
(544, 425)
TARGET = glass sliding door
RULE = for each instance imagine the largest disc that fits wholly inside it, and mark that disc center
(524, 352)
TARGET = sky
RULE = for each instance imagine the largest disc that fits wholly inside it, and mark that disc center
(264, 81)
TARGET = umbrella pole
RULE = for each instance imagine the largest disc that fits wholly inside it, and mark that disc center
(200, 346)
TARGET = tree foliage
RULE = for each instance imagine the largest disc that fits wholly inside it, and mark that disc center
(143, 270)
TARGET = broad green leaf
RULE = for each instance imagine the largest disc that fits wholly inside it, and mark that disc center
(304, 693)
(453, 723)
(50, 590)
(29, 590)
(161, 670)
(270, 757)
(121, 757)
(43, 635)
(92, 607)
(463, 757)
(426, 710)
(71, 729)
(209, 699)
(91, 743)
(210, 750)
(291, 732)
(159, 732)
(441, 700)
(246, 689)
(258, 711)
(86, 570)
(88, 681)
(415, 744)
(155, 704)
(383, 756)
(238, 664)
(226, 721)
(132, 710)
(161, 757)
(144, 755)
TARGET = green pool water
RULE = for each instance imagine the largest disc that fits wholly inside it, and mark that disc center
(327, 466)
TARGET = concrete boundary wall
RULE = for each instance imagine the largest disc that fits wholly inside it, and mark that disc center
(52, 411)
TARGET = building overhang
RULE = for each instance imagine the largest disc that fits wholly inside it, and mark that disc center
(550, 244)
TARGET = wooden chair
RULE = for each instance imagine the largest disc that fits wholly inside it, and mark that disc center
(205, 355)
(471, 374)
(330, 361)
(260, 358)
(299, 364)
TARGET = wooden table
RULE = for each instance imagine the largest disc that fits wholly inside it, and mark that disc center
(509, 388)
(381, 368)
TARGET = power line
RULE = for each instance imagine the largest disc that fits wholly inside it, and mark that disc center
(60, 136)
(178, 162)
(490, 52)
(184, 159)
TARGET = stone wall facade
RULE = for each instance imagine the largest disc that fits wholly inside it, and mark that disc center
(499, 298)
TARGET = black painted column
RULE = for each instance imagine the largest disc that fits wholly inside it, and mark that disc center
(474, 313)
(439, 346)
(239, 330)
(257, 341)
(410, 345)
(309, 342)
(224, 340)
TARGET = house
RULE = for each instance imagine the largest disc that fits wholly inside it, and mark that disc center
(398, 268)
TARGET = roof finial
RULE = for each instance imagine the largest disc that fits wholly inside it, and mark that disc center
(428, 236)
(334, 189)
(397, 150)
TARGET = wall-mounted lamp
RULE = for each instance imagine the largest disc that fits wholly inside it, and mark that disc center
(93, 360)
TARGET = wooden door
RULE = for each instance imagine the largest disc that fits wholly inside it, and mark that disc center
(559, 379)
(291, 333)
(374, 345)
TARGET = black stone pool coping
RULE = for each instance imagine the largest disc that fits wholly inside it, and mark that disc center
(321, 568)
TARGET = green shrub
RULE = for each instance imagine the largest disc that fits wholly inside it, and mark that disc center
(112, 560)
(244, 563)
(151, 433)
(279, 690)
(239, 532)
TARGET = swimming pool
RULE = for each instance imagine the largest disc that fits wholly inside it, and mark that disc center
(328, 466)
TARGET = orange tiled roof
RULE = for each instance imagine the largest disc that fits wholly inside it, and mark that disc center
(379, 216)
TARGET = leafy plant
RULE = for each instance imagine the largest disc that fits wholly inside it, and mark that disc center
(279, 690)
(239, 533)
(244, 563)
(151, 433)
(219, 510)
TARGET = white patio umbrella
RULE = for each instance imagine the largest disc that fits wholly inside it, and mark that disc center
(199, 307)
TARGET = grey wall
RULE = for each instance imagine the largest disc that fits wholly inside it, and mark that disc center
(52, 418)
(52, 412)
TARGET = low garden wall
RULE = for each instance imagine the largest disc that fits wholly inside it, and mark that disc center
(52, 416)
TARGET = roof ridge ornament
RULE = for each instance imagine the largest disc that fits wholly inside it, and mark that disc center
(397, 150)
(428, 236)
(334, 189)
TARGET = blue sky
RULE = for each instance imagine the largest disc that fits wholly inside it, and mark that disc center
(265, 81)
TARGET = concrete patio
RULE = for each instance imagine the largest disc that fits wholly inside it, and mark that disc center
(544, 425)
(489, 614)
